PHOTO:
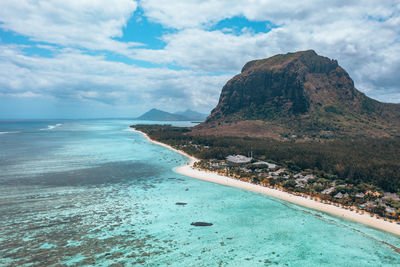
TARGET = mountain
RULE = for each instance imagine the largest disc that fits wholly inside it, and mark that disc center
(192, 115)
(299, 95)
(159, 115)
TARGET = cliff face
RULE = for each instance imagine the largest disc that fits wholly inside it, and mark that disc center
(301, 94)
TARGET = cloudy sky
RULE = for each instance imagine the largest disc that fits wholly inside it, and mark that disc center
(102, 58)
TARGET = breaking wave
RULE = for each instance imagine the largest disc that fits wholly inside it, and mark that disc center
(51, 127)
(9, 132)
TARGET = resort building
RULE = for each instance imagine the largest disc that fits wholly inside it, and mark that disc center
(238, 159)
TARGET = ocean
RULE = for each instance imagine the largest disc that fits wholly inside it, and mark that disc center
(91, 192)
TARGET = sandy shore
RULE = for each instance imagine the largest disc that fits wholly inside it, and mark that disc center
(366, 219)
(192, 159)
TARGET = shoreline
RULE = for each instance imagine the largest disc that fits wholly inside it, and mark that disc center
(189, 170)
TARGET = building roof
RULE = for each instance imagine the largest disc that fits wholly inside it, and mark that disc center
(360, 195)
(238, 159)
(328, 190)
(340, 195)
(370, 203)
(390, 209)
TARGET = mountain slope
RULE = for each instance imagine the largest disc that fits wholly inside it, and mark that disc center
(192, 115)
(159, 115)
(298, 94)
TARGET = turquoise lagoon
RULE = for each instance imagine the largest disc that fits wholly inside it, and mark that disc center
(90, 192)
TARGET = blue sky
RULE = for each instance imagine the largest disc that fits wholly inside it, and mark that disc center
(75, 59)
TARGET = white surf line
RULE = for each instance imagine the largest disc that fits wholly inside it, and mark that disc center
(9, 132)
(51, 127)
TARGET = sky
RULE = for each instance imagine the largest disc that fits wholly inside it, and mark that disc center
(102, 58)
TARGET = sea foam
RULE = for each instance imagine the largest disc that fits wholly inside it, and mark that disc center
(51, 127)
(9, 132)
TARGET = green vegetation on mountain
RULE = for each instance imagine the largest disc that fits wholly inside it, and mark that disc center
(192, 115)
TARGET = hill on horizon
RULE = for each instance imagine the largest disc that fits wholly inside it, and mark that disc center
(298, 95)
(160, 115)
(193, 115)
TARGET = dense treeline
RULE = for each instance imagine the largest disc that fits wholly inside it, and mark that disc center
(372, 161)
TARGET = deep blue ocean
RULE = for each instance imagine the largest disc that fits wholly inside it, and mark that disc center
(93, 193)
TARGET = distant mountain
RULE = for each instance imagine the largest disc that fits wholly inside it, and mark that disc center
(159, 115)
(193, 115)
(298, 94)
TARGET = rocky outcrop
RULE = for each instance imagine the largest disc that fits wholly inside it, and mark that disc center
(298, 93)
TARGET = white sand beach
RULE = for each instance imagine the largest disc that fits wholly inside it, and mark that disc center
(365, 218)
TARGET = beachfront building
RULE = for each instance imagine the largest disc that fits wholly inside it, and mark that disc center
(360, 195)
(238, 159)
(328, 191)
(301, 181)
(389, 210)
(340, 195)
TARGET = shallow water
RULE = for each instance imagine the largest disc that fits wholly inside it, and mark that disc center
(89, 192)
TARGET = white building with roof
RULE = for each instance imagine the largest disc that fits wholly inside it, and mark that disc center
(238, 159)
(340, 195)
(328, 190)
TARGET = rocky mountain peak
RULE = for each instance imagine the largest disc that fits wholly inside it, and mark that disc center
(297, 91)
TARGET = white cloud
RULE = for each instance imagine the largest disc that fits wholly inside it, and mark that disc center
(207, 50)
(203, 13)
(363, 35)
(87, 24)
(71, 75)
(27, 94)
